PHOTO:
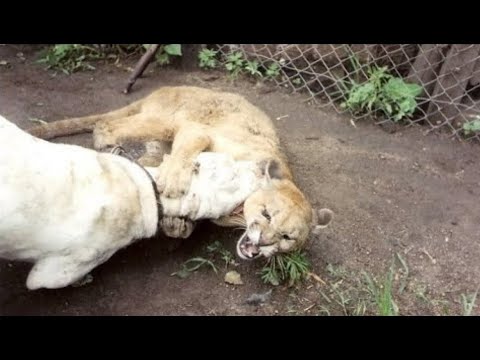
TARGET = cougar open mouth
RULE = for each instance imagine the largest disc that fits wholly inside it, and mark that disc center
(246, 249)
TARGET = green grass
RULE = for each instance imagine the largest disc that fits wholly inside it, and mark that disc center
(217, 250)
(382, 293)
(288, 268)
(469, 303)
(192, 265)
(69, 58)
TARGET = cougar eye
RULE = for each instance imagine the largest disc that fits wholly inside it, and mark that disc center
(266, 215)
(286, 237)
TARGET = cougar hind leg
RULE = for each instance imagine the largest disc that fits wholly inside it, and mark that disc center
(81, 125)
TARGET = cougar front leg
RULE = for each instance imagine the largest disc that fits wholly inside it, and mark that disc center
(154, 153)
(177, 169)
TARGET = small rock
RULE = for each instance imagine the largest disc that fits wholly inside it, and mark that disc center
(233, 277)
(257, 299)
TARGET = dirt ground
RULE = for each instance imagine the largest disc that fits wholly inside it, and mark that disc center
(406, 199)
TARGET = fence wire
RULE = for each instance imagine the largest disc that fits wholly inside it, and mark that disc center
(349, 78)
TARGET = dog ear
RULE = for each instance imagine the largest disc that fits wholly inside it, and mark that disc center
(321, 219)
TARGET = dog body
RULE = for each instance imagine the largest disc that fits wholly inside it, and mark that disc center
(68, 209)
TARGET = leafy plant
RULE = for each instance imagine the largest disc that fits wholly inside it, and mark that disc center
(291, 268)
(207, 59)
(69, 57)
(165, 53)
(252, 68)
(272, 71)
(234, 63)
(471, 127)
(297, 81)
(382, 92)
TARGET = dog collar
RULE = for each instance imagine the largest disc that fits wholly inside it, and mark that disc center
(119, 150)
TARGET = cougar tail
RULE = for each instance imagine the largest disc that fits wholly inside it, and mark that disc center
(80, 125)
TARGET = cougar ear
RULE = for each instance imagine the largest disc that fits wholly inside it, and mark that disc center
(321, 219)
(270, 169)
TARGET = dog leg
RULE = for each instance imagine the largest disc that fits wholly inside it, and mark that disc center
(60, 271)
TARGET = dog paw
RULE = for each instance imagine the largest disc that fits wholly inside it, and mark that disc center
(87, 279)
(175, 227)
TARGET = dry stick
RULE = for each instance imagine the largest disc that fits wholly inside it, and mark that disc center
(141, 66)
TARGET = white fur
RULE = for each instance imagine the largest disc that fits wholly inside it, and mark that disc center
(68, 209)
(219, 186)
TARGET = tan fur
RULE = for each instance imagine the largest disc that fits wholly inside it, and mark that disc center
(195, 120)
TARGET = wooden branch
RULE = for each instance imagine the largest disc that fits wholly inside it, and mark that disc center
(141, 66)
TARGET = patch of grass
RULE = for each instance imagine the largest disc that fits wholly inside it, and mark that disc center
(382, 293)
(342, 298)
(406, 272)
(345, 293)
(359, 294)
(235, 63)
(421, 293)
(69, 58)
(216, 248)
(468, 303)
(290, 268)
(193, 265)
(214, 252)
(337, 271)
(360, 309)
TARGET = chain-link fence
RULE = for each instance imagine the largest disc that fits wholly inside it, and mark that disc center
(436, 85)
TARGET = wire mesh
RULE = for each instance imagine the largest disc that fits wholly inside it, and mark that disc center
(337, 75)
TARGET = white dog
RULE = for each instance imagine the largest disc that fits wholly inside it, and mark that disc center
(68, 209)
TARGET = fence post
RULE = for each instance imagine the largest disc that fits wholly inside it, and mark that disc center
(189, 59)
(426, 66)
(451, 84)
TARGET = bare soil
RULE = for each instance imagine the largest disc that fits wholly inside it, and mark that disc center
(404, 193)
